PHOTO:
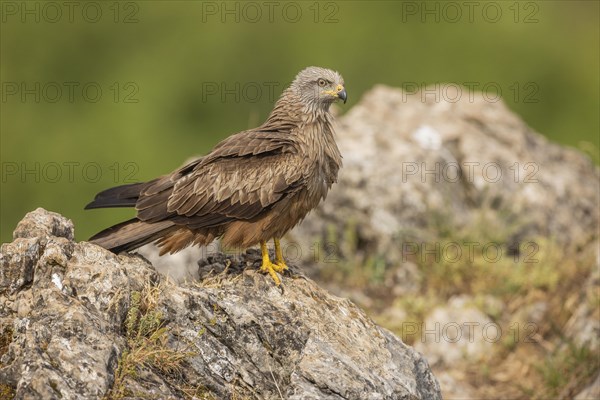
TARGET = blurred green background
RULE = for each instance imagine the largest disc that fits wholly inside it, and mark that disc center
(163, 68)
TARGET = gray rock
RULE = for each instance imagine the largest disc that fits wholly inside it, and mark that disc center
(44, 224)
(422, 173)
(413, 168)
(239, 334)
(457, 332)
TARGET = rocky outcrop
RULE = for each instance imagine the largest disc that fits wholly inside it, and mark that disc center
(414, 167)
(427, 187)
(78, 321)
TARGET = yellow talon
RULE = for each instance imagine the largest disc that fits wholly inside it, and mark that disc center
(279, 261)
(267, 265)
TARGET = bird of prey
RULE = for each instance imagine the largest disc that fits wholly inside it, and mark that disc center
(252, 187)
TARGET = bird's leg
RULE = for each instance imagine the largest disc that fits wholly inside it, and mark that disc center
(267, 265)
(279, 261)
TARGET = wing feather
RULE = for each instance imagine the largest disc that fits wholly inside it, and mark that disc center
(243, 176)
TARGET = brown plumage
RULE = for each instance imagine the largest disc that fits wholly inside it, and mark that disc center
(253, 186)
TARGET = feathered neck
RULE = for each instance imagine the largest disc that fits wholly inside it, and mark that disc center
(292, 108)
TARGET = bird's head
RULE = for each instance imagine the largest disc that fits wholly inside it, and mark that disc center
(319, 86)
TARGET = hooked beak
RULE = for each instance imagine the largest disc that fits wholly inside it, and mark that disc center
(339, 92)
(342, 93)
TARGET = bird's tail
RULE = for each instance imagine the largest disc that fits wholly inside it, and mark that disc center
(118, 196)
(131, 234)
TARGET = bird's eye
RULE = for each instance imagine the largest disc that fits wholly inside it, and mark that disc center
(322, 82)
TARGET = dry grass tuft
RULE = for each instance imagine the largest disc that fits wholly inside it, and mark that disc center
(147, 347)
